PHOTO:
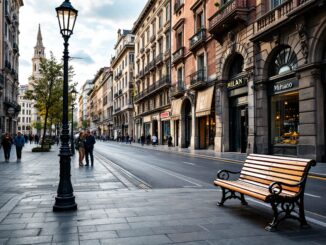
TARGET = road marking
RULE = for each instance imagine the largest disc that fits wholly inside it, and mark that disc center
(190, 163)
(316, 177)
(311, 195)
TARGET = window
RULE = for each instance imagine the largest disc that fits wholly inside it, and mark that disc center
(167, 41)
(284, 61)
(201, 62)
(285, 118)
(167, 12)
(179, 40)
(200, 22)
(179, 75)
(236, 66)
(160, 20)
(275, 3)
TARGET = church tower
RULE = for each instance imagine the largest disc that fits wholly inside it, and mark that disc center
(39, 54)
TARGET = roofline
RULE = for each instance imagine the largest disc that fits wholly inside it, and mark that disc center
(142, 15)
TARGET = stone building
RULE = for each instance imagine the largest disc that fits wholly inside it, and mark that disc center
(152, 32)
(270, 95)
(193, 75)
(9, 55)
(83, 121)
(122, 65)
(95, 100)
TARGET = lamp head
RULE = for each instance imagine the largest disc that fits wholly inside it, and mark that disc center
(67, 16)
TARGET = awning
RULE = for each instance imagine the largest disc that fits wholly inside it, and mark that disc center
(176, 109)
(204, 102)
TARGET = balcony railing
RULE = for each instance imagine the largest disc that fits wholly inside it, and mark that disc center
(117, 110)
(146, 69)
(159, 58)
(152, 38)
(198, 78)
(120, 91)
(151, 65)
(116, 95)
(281, 13)
(15, 47)
(197, 39)
(161, 83)
(230, 14)
(178, 55)
(177, 89)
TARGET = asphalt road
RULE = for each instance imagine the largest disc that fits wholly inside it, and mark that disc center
(157, 169)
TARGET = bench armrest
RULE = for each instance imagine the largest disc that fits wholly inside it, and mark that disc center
(225, 174)
(276, 188)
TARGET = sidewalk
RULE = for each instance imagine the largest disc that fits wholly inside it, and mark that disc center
(111, 210)
(235, 157)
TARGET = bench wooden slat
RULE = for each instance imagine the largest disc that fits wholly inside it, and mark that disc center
(272, 160)
(272, 174)
(285, 166)
(268, 182)
(283, 158)
(287, 192)
(274, 169)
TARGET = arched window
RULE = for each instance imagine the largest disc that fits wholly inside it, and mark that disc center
(284, 61)
(236, 66)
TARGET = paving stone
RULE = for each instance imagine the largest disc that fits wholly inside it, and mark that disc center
(30, 240)
(143, 240)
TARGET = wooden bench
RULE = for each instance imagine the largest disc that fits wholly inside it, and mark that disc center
(279, 181)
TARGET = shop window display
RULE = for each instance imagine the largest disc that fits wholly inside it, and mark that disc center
(285, 119)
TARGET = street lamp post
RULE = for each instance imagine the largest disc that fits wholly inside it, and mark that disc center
(73, 97)
(65, 199)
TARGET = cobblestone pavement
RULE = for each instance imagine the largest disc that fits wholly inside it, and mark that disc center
(111, 210)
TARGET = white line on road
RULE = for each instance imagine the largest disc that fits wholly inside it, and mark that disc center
(311, 195)
(190, 163)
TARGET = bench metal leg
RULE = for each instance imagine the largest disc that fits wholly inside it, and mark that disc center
(223, 199)
(302, 217)
(243, 200)
(273, 225)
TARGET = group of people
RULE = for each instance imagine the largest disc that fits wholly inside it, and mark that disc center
(154, 140)
(85, 146)
(7, 141)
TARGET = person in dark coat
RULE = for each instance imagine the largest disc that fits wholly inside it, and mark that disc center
(142, 139)
(6, 144)
(89, 147)
(19, 142)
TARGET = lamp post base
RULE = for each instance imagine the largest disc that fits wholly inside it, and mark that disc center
(64, 204)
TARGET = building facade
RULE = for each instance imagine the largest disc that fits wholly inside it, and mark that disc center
(107, 120)
(193, 75)
(83, 121)
(122, 65)
(152, 33)
(9, 55)
(270, 95)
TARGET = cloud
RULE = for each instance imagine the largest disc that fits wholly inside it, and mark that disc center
(82, 57)
(94, 36)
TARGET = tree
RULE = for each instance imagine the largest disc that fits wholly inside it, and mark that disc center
(85, 124)
(45, 89)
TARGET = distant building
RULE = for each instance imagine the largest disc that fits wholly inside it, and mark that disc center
(9, 55)
(83, 105)
(28, 115)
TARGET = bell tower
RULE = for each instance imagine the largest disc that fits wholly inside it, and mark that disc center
(39, 54)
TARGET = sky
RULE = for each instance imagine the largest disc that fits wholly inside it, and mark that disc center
(93, 40)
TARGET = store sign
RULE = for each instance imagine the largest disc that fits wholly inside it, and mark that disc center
(240, 82)
(285, 85)
(11, 110)
(165, 114)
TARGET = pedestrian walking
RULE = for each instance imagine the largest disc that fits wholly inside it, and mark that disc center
(37, 139)
(57, 140)
(30, 138)
(6, 145)
(154, 140)
(142, 139)
(19, 142)
(80, 146)
(131, 139)
(170, 141)
(89, 147)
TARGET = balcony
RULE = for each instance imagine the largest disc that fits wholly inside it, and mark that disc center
(198, 79)
(178, 89)
(146, 69)
(95, 118)
(230, 15)
(116, 95)
(178, 5)
(197, 40)
(117, 110)
(7, 65)
(142, 50)
(151, 65)
(178, 55)
(159, 58)
(281, 15)
(15, 47)
(167, 54)
(141, 74)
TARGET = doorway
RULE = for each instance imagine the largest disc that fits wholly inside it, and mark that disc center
(187, 123)
(238, 127)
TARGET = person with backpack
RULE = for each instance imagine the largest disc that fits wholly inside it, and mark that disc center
(19, 142)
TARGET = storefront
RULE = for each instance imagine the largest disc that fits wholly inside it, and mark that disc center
(147, 126)
(165, 126)
(284, 116)
(205, 115)
(176, 115)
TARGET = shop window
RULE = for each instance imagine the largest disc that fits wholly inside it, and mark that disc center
(285, 119)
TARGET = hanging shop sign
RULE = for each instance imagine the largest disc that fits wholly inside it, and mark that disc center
(236, 83)
(165, 114)
(11, 110)
(286, 85)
